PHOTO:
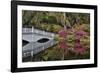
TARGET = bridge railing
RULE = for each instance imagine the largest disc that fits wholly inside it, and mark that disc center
(37, 31)
(38, 49)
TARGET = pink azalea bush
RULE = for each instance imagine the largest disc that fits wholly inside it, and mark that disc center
(77, 48)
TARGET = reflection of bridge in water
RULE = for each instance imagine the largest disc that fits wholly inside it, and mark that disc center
(38, 40)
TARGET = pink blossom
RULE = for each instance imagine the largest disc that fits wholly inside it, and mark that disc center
(62, 33)
(77, 38)
(78, 49)
(62, 45)
(77, 45)
(80, 33)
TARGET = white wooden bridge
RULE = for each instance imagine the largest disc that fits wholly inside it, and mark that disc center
(32, 36)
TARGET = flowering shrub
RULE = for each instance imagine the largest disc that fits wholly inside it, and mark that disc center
(73, 40)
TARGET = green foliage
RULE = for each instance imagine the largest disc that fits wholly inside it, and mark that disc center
(52, 54)
(58, 18)
(70, 38)
(54, 22)
(48, 19)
